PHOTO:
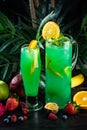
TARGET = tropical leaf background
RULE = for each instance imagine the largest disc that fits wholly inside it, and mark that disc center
(19, 22)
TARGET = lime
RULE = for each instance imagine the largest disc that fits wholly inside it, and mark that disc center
(4, 90)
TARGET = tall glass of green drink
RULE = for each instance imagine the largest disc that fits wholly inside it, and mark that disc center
(30, 64)
(58, 71)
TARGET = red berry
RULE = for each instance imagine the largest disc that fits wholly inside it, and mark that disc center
(14, 118)
(52, 116)
(71, 109)
(11, 104)
(25, 110)
(2, 109)
(23, 105)
(25, 117)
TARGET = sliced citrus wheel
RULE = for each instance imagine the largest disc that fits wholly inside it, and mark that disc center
(33, 44)
(52, 107)
(81, 99)
(51, 30)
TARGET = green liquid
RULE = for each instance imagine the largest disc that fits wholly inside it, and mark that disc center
(30, 65)
(58, 73)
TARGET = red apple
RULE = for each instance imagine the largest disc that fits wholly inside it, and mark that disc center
(16, 85)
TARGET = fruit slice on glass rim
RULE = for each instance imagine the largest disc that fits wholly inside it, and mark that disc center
(51, 30)
(32, 44)
(81, 99)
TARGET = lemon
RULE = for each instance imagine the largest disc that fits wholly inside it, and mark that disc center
(4, 90)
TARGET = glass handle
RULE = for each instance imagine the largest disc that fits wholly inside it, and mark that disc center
(74, 53)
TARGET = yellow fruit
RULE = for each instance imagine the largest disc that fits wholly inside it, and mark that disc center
(4, 90)
(52, 107)
(77, 80)
(81, 99)
(32, 44)
(51, 30)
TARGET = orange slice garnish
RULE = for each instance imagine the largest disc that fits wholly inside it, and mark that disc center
(32, 44)
(51, 30)
(81, 99)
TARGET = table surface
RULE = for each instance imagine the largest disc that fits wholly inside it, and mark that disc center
(39, 121)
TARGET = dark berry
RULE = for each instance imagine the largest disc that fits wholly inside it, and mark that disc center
(6, 120)
(20, 118)
(9, 117)
(64, 117)
(14, 118)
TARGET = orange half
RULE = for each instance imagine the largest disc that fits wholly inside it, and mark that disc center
(51, 30)
(81, 99)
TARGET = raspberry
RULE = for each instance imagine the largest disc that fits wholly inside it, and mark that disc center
(23, 105)
(52, 116)
(25, 110)
(14, 118)
(25, 117)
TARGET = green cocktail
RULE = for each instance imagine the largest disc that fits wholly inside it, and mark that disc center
(30, 65)
(58, 71)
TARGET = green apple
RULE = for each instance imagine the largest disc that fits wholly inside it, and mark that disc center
(4, 90)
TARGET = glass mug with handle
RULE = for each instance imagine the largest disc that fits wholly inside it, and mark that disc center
(59, 67)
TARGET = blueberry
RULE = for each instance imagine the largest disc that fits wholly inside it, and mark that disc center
(6, 120)
(20, 118)
(64, 117)
(9, 117)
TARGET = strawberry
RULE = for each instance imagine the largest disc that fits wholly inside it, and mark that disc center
(71, 108)
(11, 104)
(52, 116)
